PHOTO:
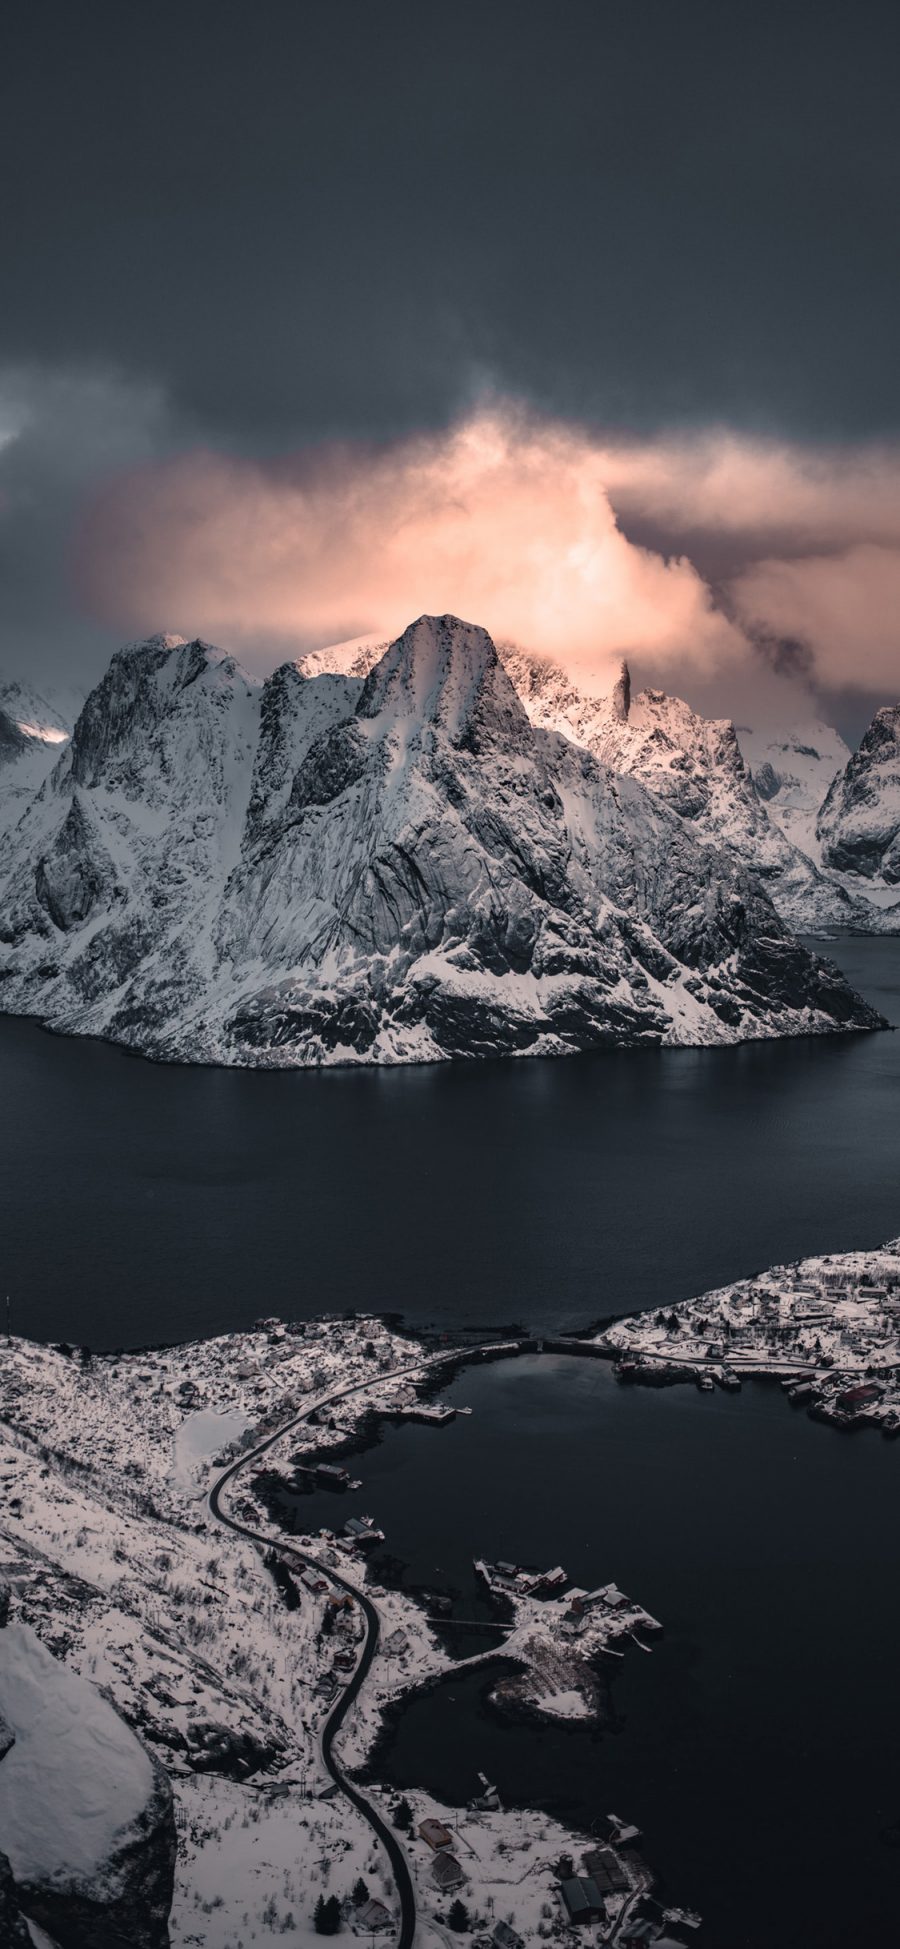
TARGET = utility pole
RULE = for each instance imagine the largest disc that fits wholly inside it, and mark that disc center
(8, 1327)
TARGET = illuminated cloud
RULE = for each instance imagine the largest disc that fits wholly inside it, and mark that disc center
(844, 608)
(503, 521)
(722, 483)
(569, 542)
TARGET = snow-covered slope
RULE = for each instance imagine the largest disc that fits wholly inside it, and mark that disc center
(31, 734)
(694, 765)
(113, 877)
(86, 1817)
(792, 770)
(859, 823)
(394, 868)
(355, 658)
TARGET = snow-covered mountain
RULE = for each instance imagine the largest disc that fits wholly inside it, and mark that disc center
(31, 733)
(354, 658)
(859, 823)
(116, 868)
(792, 770)
(695, 766)
(392, 868)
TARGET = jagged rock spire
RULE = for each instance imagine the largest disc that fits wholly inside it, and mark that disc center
(621, 694)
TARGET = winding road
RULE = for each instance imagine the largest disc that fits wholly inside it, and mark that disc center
(392, 1847)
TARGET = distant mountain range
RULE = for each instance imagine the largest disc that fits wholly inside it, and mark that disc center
(859, 824)
(31, 733)
(412, 851)
(696, 767)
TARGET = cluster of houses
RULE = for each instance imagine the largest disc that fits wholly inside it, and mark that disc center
(593, 1616)
(584, 1603)
(446, 1872)
(509, 1578)
(610, 1871)
(829, 1327)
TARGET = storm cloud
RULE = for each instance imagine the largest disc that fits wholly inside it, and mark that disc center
(256, 263)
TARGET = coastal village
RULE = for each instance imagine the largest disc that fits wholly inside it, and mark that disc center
(828, 1328)
(228, 1655)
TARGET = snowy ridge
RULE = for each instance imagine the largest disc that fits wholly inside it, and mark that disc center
(695, 766)
(859, 824)
(792, 770)
(354, 658)
(393, 867)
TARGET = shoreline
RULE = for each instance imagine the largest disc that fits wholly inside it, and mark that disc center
(127, 1445)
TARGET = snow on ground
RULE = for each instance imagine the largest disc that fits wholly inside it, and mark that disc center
(252, 1865)
(830, 1325)
(116, 1565)
(200, 1438)
(75, 1779)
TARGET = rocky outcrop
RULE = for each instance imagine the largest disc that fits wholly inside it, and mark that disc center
(404, 864)
(696, 767)
(14, 1931)
(859, 824)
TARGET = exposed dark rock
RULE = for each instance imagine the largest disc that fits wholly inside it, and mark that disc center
(126, 1904)
(859, 824)
(397, 868)
(219, 1749)
(14, 1933)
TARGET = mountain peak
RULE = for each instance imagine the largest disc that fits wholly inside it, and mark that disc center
(442, 671)
(859, 822)
(395, 870)
(143, 686)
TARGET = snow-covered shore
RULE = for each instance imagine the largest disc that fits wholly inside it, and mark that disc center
(225, 1657)
(828, 1327)
(115, 1564)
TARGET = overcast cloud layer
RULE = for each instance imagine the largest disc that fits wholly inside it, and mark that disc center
(515, 522)
(263, 269)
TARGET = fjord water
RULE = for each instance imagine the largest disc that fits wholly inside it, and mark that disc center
(756, 1746)
(143, 1202)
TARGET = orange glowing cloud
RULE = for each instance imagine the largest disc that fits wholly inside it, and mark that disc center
(517, 523)
(502, 520)
(725, 483)
(844, 607)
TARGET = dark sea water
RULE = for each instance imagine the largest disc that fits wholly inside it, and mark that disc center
(757, 1745)
(142, 1203)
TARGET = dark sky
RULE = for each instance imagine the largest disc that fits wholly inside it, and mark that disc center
(285, 222)
(315, 217)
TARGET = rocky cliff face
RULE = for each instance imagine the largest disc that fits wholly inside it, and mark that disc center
(86, 1816)
(859, 824)
(14, 1930)
(113, 878)
(394, 866)
(695, 766)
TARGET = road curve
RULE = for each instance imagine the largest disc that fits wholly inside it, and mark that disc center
(399, 1865)
(345, 1698)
